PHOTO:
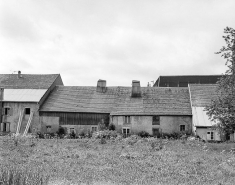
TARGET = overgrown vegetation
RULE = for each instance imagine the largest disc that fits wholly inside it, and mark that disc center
(115, 160)
(222, 108)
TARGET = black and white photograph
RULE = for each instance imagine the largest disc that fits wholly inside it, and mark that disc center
(117, 92)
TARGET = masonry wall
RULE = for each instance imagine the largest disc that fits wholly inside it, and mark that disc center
(202, 133)
(13, 116)
(168, 124)
(80, 122)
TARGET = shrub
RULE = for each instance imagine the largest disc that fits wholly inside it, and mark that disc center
(61, 132)
(143, 134)
(107, 134)
(112, 127)
(174, 135)
(40, 135)
(72, 135)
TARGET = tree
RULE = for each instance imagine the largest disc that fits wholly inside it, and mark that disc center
(222, 107)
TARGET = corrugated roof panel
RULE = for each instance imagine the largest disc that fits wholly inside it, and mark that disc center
(200, 118)
(23, 95)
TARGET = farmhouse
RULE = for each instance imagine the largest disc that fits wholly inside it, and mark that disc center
(42, 103)
(130, 109)
(21, 97)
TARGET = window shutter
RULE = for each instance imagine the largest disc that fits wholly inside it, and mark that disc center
(11, 112)
(129, 119)
(3, 111)
(7, 127)
(2, 127)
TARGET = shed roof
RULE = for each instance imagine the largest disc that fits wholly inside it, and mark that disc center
(27, 81)
(200, 118)
(118, 101)
(23, 95)
(201, 95)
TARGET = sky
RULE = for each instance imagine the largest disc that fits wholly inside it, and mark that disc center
(114, 40)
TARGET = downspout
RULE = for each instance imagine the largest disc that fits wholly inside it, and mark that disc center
(190, 96)
(1, 103)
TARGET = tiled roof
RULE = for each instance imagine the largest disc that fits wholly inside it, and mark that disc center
(201, 95)
(27, 81)
(80, 99)
(118, 101)
(154, 101)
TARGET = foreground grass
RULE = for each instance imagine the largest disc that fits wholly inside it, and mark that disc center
(123, 161)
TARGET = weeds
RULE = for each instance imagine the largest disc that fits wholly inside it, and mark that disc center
(118, 160)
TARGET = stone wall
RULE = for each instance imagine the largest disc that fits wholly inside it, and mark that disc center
(13, 117)
(168, 124)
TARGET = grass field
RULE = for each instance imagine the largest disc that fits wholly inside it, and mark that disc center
(118, 161)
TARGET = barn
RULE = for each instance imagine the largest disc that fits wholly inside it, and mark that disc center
(21, 98)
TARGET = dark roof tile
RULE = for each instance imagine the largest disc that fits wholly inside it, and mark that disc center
(27, 81)
(118, 101)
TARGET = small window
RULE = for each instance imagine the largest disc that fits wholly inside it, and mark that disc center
(127, 119)
(182, 128)
(27, 111)
(7, 111)
(5, 127)
(212, 135)
(156, 120)
(208, 133)
(93, 129)
(48, 129)
(126, 132)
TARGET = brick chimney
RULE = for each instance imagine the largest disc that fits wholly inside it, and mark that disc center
(101, 86)
(19, 74)
(136, 89)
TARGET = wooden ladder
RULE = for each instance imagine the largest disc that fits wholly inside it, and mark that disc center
(19, 122)
(28, 124)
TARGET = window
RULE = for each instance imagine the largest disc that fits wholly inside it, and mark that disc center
(7, 111)
(27, 111)
(48, 129)
(5, 127)
(156, 120)
(212, 135)
(126, 132)
(127, 119)
(208, 133)
(182, 128)
(93, 129)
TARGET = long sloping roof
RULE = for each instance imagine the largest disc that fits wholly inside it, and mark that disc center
(23, 95)
(201, 95)
(80, 99)
(118, 101)
(27, 81)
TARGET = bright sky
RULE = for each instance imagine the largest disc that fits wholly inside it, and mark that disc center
(115, 40)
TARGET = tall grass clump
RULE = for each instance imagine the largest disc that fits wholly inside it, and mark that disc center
(12, 175)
